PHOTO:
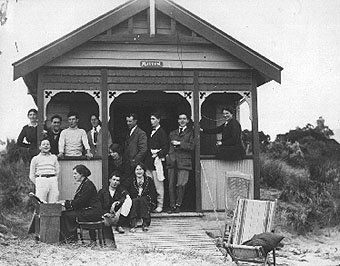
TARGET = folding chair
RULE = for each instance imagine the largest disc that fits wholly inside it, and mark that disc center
(250, 217)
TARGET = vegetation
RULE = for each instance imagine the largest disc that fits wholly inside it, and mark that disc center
(14, 188)
(305, 165)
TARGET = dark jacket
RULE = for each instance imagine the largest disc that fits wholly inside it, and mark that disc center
(158, 141)
(29, 133)
(135, 147)
(149, 191)
(181, 156)
(232, 146)
(106, 200)
(85, 198)
(54, 140)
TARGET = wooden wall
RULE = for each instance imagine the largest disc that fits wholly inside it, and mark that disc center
(203, 56)
(67, 185)
(213, 180)
(70, 78)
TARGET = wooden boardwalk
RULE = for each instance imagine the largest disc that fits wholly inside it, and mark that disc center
(179, 234)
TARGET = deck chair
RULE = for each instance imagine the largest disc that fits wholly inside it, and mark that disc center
(250, 217)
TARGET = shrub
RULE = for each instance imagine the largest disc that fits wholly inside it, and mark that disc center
(275, 172)
(14, 182)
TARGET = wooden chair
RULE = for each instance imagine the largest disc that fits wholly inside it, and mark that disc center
(97, 226)
(250, 217)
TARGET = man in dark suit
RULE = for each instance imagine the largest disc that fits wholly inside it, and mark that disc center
(179, 161)
(231, 147)
(135, 147)
(53, 133)
(158, 146)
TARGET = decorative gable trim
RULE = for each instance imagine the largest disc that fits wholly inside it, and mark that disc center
(77, 37)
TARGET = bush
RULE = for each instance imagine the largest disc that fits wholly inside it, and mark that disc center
(312, 200)
(276, 173)
(14, 182)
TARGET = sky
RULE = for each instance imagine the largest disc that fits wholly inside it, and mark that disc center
(302, 36)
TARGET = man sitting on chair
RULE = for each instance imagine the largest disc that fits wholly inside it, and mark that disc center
(115, 202)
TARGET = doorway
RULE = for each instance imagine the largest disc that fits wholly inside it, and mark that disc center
(143, 103)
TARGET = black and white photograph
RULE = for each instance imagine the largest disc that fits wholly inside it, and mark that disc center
(169, 132)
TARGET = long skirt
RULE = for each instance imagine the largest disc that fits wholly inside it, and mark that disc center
(68, 224)
(140, 209)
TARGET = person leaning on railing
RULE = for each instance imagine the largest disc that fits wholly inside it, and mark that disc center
(231, 146)
(73, 139)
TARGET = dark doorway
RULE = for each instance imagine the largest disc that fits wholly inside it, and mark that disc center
(143, 103)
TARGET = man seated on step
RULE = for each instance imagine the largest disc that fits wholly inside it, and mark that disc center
(115, 202)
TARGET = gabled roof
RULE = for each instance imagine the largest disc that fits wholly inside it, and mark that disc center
(268, 69)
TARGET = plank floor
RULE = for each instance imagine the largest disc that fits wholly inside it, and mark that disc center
(182, 235)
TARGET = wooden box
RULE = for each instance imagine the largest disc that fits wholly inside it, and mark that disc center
(47, 222)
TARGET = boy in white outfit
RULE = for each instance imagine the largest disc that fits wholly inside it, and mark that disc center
(44, 172)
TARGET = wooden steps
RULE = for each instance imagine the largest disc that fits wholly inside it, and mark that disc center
(182, 235)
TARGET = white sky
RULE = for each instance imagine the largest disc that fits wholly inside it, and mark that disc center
(302, 36)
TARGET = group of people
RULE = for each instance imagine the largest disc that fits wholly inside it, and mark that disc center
(136, 167)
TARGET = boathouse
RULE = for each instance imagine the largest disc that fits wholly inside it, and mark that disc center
(145, 56)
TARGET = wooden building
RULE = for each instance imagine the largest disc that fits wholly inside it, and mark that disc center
(144, 56)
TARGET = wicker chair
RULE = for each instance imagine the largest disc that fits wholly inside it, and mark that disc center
(238, 185)
(250, 217)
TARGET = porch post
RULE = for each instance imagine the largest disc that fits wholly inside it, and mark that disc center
(256, 141)
(197, 143)
(104, 112)
(41, 111)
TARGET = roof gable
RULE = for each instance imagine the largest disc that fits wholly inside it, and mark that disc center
(111, 21)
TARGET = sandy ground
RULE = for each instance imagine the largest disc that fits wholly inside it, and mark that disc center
(321, 248)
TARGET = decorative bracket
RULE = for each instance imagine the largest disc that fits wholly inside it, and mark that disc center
(246, 97)
(188, 95)
(112, 95)
(49, 94)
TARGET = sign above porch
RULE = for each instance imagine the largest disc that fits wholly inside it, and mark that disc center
(151, 63)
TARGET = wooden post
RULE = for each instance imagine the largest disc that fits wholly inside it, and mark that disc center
(105, 151)
(256, 141)
(197, 143)
(40, 103)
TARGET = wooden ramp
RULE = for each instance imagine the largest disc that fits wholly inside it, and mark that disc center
(182, 235)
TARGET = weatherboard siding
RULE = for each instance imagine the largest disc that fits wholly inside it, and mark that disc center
(130, 55)
(213, 185)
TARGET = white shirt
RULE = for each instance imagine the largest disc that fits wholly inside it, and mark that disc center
(92, 133)
(133, 129)
(183, 128)
(154, 130)
(112, 192)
